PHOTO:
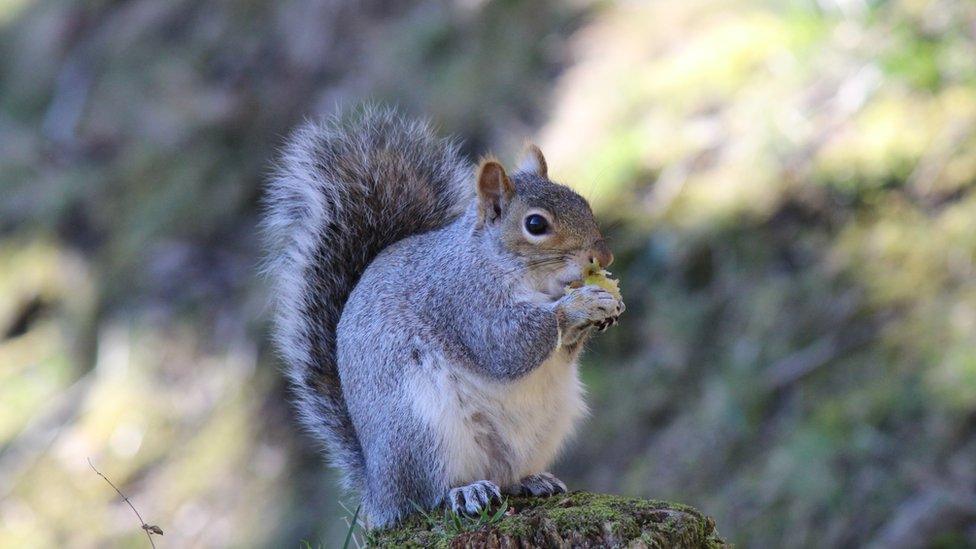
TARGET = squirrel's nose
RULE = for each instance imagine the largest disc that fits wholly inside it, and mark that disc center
(601, 252)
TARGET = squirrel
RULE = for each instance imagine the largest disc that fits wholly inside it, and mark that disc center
(423, 315)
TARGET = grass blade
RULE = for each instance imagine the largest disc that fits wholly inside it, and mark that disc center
(352, 527)
(500, 513)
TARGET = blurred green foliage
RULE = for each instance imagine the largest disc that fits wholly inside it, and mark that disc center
(788, 187)
(794, 190)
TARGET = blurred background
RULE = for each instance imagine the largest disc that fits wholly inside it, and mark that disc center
(789, 187)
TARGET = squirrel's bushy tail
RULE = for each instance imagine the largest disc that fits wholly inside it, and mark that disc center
(343, 190)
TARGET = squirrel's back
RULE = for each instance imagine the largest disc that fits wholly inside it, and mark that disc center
(343, 190)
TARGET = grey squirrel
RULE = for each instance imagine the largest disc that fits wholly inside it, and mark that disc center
(422, 314)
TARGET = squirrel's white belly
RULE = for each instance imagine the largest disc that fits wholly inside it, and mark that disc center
(498, 431)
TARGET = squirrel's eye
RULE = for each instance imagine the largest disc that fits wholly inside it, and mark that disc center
(536, 225)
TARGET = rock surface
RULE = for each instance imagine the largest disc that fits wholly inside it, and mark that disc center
(578, 519)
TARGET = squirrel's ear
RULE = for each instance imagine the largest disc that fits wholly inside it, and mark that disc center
(494, 189)
(533, 161)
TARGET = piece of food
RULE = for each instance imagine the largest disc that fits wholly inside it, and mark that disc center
(594, 275)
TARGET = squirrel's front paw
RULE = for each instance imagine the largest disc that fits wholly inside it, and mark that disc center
(589, 306)
(471, 499)
(540, 485)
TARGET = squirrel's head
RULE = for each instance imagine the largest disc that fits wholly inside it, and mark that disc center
(547, 226)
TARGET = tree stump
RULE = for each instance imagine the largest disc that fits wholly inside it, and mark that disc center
(577, 519)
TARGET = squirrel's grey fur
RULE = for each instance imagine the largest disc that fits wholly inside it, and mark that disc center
(428, 344)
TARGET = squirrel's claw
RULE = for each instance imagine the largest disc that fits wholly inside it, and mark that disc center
(606, 323)
(471, 499)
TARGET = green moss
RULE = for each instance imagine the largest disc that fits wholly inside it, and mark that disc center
(581, 519)
(416, 531)
(515, 526)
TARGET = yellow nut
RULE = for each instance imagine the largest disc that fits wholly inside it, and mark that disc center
(593, 275)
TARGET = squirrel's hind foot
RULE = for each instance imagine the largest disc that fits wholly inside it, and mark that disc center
(540, 485)
(473, 498)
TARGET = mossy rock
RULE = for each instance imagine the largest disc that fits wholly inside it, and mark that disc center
(578, 519)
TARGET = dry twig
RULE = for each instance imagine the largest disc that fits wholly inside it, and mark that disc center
(150, 529)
